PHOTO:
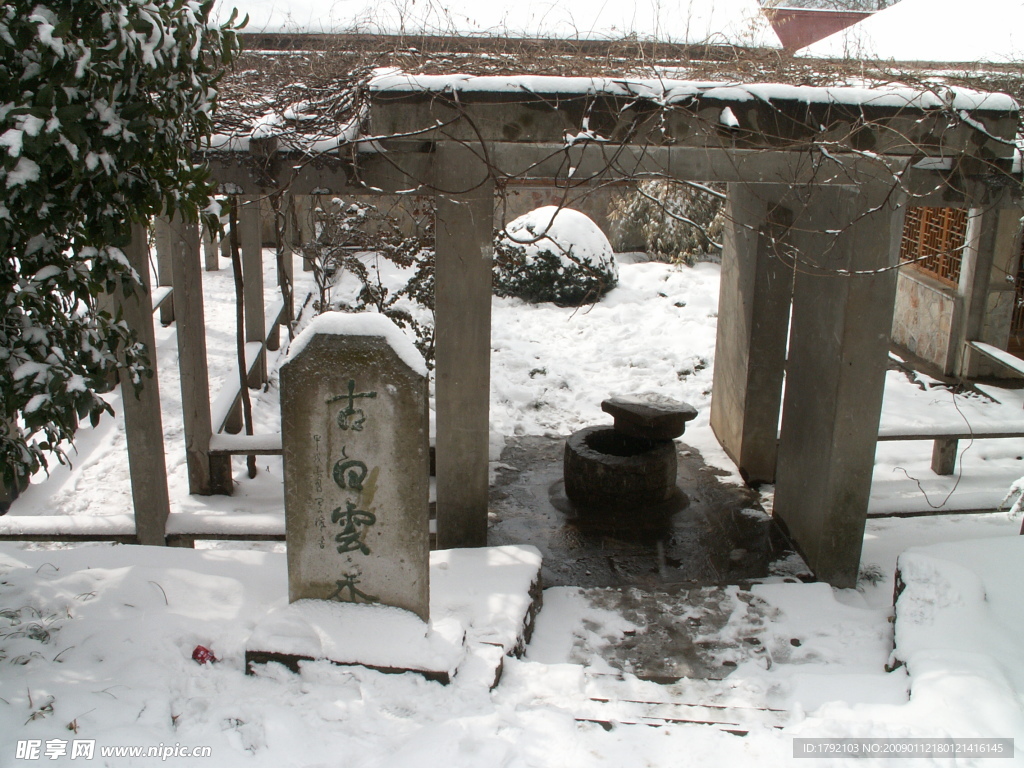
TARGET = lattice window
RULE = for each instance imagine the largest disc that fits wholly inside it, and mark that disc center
(938, 235)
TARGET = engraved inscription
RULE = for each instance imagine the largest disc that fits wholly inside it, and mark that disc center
(351, 417)
(353, 522)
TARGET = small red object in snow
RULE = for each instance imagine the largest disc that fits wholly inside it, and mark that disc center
(202, 654)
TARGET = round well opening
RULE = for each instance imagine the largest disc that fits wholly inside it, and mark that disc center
(613, 443)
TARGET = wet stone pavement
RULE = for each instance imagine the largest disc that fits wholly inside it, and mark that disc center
(710, 533)
(678, 571)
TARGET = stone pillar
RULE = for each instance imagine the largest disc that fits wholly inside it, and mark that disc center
(225, 247)
(206, 474)
(163, 240)
(284, 237)
(753, 322)
(975, 268)
(838, 353)
(462, 295)
(990, 250)
(286, 220)
(211, 250)
(143, 423)
(354, 433)
(250, 239)
(305, 226)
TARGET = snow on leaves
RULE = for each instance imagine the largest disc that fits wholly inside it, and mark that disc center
(101, 105)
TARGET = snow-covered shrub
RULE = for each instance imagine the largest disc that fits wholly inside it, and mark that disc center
(675, 222)
(554, 254)
(1014, 498)
(393, 272)
(102, 103)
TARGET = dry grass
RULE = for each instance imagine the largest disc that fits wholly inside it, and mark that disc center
(278, 71)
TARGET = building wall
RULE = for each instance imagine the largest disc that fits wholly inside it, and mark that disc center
(928, 315)
(925, 316)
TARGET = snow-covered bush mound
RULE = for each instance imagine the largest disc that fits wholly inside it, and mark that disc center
(554, 254)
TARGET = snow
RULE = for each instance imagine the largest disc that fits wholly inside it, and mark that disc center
(64, 524)
(373, 635)
(477, 596)
(238, 444)
(25, 171)
(96, 640)
(249, 523)
(12, 139)
(30, 368)
(667, 91)
(366, 324)
(933, 30)
(488, 587)
(569, 234)
(717, 22)
(959, 629)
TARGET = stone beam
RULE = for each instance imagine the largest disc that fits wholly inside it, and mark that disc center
(978, 257)
(405, 166)
(329, 173)
(743, 117)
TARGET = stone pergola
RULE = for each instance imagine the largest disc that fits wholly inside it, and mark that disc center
(818, 181)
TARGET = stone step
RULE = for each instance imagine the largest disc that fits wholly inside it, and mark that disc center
(626, 700)
(738, 721)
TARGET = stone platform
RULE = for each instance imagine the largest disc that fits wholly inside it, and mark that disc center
(483, 603)
(710, 533)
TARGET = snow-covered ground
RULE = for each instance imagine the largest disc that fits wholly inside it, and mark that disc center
(96, 641)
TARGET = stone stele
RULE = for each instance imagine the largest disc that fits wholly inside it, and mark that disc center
(356, 467)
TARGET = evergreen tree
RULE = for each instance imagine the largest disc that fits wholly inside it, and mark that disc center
(102, 103)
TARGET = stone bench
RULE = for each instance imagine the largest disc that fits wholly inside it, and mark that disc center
(1001, 356)
(184, 529)
(946, 439)
(69, 528)
(226, 408)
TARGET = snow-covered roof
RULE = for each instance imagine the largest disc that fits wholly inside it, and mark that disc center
(934, 31)
(737, 22)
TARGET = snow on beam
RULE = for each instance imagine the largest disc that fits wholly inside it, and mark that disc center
(680, 91)
(67, 528)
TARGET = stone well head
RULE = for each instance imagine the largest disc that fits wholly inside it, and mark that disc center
(628, 466)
